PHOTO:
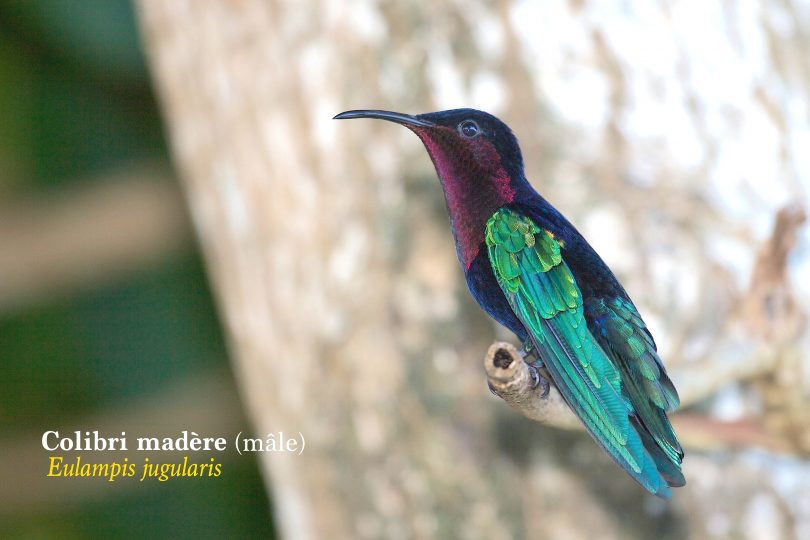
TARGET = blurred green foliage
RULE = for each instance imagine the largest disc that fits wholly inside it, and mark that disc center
(76, 101)
(230, 507)
(76, 97)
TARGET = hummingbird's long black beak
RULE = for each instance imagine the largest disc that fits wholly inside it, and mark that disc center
(399, 118)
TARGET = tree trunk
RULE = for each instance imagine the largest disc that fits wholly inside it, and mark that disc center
(666, 135)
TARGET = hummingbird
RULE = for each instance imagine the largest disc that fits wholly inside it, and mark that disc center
(530, 269)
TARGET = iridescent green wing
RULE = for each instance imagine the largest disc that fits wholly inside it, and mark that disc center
(543, 293)
(621, 332)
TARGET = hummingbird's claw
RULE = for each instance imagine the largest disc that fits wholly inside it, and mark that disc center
(527, 351)
(539, 380)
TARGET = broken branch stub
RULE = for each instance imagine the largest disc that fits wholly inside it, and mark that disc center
(510, 379)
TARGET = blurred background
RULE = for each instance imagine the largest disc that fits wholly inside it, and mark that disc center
(106, 318)
(674, 135)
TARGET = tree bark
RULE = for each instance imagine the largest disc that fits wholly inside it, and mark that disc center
(336, 278)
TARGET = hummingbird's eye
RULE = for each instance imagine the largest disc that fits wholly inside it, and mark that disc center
(468, 129)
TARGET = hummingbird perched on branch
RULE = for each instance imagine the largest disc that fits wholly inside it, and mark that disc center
(533, 272)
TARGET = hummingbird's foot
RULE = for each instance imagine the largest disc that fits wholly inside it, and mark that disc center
(527, 351)
(539, 380)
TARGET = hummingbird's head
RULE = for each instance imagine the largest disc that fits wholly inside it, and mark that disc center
(469, 148)
(478, 162)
